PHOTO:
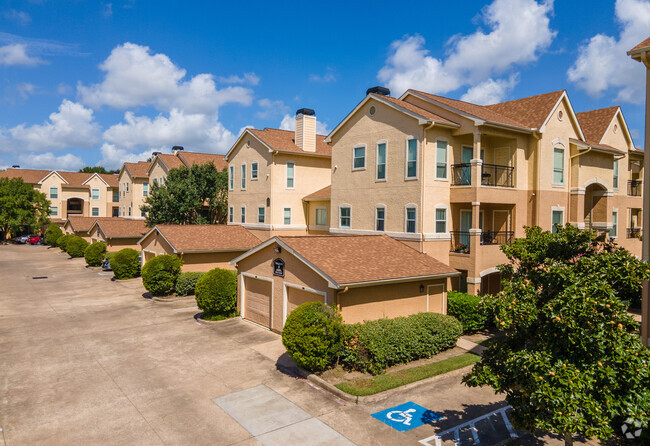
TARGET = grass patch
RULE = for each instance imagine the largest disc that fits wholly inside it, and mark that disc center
(370, 386)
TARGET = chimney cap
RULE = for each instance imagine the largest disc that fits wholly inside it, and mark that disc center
(155, 153)
(177, 148)
(305, 111)
(16, 166)
(378, 90)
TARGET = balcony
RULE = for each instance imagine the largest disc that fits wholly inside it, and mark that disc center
(497, 238)
(460, 240)
(492, 175)
(634, 188)
(635, 233)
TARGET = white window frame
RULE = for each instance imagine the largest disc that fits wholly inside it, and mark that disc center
(321, 208)
(261, 214)
(557, 209)
(293, 178)
(54, 211)
(354, 149)
(385, 143)
(118, 196)
(255, 170)
(562, 183)
(231, 214)
(145, 189)
(231, 180)
(242, 214)
(383, 207)
(615, 236)
(92, 194)
(345, 206)
(92, 212)
(615, 175)
(406, 158)
(415, 218)
(446, 177)
(56, 193)
(242, 184)
(435, 219)
(284, 215)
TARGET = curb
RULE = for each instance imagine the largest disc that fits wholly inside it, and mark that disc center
(168, 299)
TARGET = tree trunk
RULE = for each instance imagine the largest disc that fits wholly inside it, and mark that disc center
(568, 439)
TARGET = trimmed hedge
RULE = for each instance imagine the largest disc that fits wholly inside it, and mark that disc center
(216, 292)
(467, 309)
(95, 253)
(312, 335)
(375, 345)
(63, 241)
(53, 234)
(186, 283)
(76, 246)
(125, 264)
(160, 273)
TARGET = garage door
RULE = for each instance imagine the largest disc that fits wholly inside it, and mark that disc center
(257, 301)
(148, 256)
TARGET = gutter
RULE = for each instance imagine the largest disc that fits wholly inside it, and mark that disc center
(398, 280)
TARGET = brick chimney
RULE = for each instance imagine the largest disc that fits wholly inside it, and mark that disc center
(306, 129)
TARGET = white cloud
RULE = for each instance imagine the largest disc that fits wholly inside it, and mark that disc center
(490, 91)
(246, 78)
(289, 123)
(73, 126)
(49, 161)
(519, 32)
(20, 17)
(271, 108)
(107, 10)
(16, 55)
(136, 77)
(63, 89)
(113, 157)
(193, 131)
(26, 89)
(327, 77)
(603, 64)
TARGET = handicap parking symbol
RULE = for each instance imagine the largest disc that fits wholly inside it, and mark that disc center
(406, 416)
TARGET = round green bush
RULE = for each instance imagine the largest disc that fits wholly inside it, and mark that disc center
(216, 292)
(467, 309)
(125, 264)
(95, 253)
(53, 234)
(186, 283)
(313, 336)
(63, 241)
(76, 246)
(160, 273)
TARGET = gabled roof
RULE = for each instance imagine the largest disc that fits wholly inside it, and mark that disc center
(644, 44)
(533, 111)
(137, 170)
(638, 52)
(320, 195)
(83, 224)
(192, 158)
(359, 260)
(595, 123)
(169, 161)
(284, 141)
(31, 176)
(205, 238)
(121, 227)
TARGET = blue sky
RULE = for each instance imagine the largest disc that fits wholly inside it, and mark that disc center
(90, 82)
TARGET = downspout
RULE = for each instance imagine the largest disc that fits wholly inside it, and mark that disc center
(424, 144)
(273, 166)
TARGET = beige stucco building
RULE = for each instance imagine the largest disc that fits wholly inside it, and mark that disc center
(270, 171)
(133, 189)
(162, 163)
(456, 180)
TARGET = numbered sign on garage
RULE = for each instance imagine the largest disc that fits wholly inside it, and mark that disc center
(406, 416)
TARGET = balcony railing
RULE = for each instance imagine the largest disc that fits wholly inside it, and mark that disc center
(635, 233)
(634, 188)
(491, 175)
(461, 174)
(459, 242)
(497, 237)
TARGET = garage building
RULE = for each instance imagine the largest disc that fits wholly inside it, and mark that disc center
(366, 276)
(118, 233)
(80, 226)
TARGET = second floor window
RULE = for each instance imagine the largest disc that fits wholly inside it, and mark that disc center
(54, 211)
(344, 217)
(614, 231)
(410, 219)
(260, 214)
(95, 212)
(54, 192)
(441, 160)
(615, 180)
(291, 167)
(558, 166)
(243, 177)
(359, 161)
(231, 180)
(254, 171)
(243, 214)
(287, 216)
(441, 221)
(116, 196)
(95, 194)
(145, 189)
(380, 218)
(381, 161)
(412, 158)
(321, 217)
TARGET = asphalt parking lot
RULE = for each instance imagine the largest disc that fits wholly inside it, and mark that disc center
(85, 360)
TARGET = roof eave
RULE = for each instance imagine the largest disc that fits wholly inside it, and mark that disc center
(399, 279)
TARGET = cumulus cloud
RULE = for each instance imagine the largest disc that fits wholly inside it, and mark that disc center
(20, 17)
(271, 108)
(73, 126)
(246, 78)
(136, 77)
(490, 91)
(519, 31)
(602, 62)
(289, 123)
(16, 55)
(25, 89)
(325, 78)
(113, 157)
(51, 161)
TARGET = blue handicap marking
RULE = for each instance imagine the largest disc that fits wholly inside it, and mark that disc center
(406, 416)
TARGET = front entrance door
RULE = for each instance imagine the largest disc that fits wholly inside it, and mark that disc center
(465, 225)
(466, 171)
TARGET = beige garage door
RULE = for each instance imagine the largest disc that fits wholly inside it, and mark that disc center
(297, 297)
(257, 301)
(148, 256)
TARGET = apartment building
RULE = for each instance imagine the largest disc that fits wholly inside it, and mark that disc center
(270, 171)
(72, 193)
(133, 189)
(456, 180)
(162, 163)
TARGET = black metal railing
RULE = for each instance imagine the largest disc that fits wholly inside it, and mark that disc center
(634, 188)
(459, 242)
(634, 232)
(496, 237)
(495, 175)
(461, 174)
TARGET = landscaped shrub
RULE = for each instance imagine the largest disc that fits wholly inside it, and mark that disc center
(216, 292)
(95, 253)
(375, 345)
(312, 335)
(63, 241)
(76, 246)
(467, 309)
(160, 273)
(186, 283)
(125, 264)
(53, 234)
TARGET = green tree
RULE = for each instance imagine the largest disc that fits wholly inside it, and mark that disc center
(22, 207)
(197, 195)
(97, 169)
(570, 361)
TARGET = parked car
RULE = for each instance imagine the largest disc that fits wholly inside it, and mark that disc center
(106, 265)
(35, 240)
(22, 239)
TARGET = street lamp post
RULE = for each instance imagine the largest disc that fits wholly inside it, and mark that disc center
(641, 53)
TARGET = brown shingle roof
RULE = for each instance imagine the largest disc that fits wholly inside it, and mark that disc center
(74, 179)
(208, 237)
(122, 227)
(171, 161)
(283, 141)
(322, 194)
(191, 158)
(365, 258)
(644, 44)
(532, 111)
(138, 169)
(31, 176)
(594, 123)
(414, 109)
(83, 224)
(111, 179)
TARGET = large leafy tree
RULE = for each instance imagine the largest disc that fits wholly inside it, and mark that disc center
(97, 169)
(21, 207)
(196, 195)
(570, 361)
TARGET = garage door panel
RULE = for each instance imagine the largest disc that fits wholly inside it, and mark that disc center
(258, 301)
(296, 297)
